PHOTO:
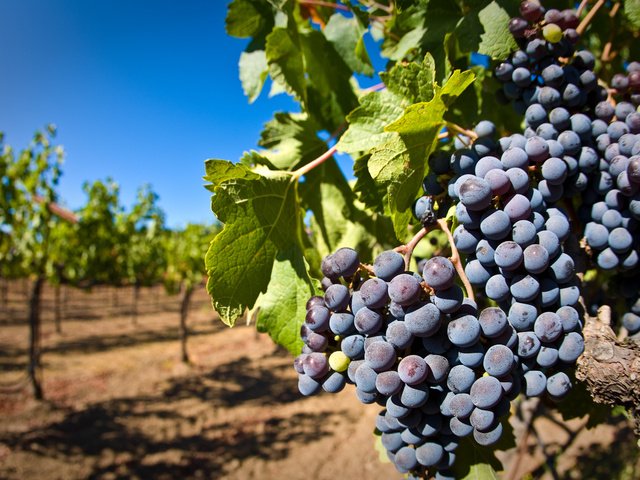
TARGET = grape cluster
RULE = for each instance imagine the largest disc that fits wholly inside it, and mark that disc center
(593, 142)
(442, 368)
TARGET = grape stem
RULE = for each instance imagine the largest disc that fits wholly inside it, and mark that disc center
(367, 268)
(607, 54)
(587, 19)
(408, 249)
(456, 260)
(583, 5)
(379, 6)
(457, 128)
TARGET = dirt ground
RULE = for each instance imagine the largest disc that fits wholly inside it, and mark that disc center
(120, 405)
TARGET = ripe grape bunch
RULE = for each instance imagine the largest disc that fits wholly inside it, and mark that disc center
(446, 361)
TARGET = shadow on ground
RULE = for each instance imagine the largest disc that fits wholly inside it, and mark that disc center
(152, 437)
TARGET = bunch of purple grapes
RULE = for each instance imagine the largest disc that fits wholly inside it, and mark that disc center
(593, 137)
(441, 368)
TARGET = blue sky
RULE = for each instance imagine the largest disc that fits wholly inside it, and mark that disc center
(143, 92)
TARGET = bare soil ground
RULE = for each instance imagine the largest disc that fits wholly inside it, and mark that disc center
(120, 405)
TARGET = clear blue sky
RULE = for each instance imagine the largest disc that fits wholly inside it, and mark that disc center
(140, 91)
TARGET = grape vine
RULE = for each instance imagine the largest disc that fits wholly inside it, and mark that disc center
(516, 232)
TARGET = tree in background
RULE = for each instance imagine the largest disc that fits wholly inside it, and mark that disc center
(27, 194)
(185, 268)
(140, 244)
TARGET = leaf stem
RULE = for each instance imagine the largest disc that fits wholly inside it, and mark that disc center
(456, 260)
(587, 19)
(320, 3)
(303, 170)
(373, 88)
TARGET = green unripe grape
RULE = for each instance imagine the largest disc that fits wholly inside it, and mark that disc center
(338, 361)
(552, 33)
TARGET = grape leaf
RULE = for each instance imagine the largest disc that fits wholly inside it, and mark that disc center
(346, 36)
(261, 217)
(253, 72)
(291, 139)
(367, 122)
(331, 97)
(247, 18)
(337, 217)
(442, 16)
(413, 81)
(496, 41)
(369, 192)
(400, 163)
(286, 62)
(404, 31)
(281, 309)
(632, 11)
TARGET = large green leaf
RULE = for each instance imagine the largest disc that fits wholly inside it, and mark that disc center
(367, 122)
(286, 62)
(253, 72)
(346, 36)
(496, 41)
(414, 81)
(632, 11)
(330, 95)
(281, 309)
(291, 140)
(261, 217)
(401, 163)
(247, 18)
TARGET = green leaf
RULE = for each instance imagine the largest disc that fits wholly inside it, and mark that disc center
(401, 163)
(337, 221)
(247, 18)
(331, 97)
(292, 140)
(441, 18)
(413, 81)
(261, 216)
(632, 11)
(367, 122)
(286, 63)
(457, 83)
(496, 41)
(281, 309)
(404, 32)
(371, 194)
(346, 36)
(253, 72)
